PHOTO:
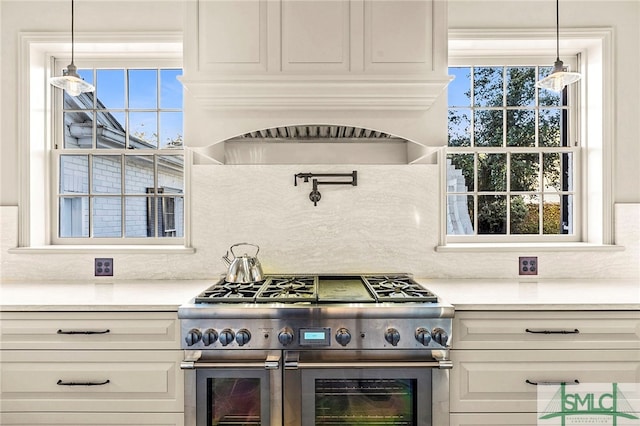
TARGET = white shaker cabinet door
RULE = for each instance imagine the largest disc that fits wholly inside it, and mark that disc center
(82, 381)
(497, 381)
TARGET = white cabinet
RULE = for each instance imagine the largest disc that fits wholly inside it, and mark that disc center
(499, 357)
(225, 37)
(107, 368)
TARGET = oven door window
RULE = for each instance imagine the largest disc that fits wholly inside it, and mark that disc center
(232, 397)
(366, 397)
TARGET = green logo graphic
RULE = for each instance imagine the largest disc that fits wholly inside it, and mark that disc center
(588, 405)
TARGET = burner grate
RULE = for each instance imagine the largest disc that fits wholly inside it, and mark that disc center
(226, 292)
(288, 289)
(398, 288)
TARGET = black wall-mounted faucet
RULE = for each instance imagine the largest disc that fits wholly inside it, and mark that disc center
(315, 195)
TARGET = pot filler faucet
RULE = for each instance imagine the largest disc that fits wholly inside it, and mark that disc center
(315, 195)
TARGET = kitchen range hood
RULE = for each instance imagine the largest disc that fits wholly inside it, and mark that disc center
(290, 82)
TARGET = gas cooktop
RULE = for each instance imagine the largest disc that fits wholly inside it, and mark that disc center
(319, 289)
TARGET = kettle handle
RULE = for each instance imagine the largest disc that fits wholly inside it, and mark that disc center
(245, 244)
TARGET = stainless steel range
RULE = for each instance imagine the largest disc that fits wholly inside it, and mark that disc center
(305, 350)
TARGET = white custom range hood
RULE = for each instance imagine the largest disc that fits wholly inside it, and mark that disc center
(292, 81)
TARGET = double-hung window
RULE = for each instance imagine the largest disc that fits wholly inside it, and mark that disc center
(512, 161)
(118, 160)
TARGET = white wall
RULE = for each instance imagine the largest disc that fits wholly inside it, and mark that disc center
(349, 230)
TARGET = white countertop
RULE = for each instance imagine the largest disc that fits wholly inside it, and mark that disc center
(139, 295)
(167, 295)
(493, 294)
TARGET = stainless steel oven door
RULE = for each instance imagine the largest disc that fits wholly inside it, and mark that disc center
(321, 388)
(228, 391)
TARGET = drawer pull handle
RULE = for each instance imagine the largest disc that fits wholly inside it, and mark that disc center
(574, 331)
(84, 331)
(575, 382)
(61, 383)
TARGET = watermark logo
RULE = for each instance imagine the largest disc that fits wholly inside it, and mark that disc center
(615, 404)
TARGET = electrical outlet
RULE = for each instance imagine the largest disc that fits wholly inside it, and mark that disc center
(103, 267)
(528, 265)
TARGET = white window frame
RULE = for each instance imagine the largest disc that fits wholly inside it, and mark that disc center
(58, 150)
(594, 47)
(573, 148)
(35, 65)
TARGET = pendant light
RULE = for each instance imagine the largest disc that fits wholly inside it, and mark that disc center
(70, 81)
(559, 78)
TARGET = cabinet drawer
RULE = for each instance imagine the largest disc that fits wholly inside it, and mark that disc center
(546, 329)
(94, 419)
(136, 381)
(495, 381)
(89, 330)
(494, 419)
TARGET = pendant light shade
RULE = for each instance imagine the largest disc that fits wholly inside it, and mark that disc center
(559, 78)
(70, 81)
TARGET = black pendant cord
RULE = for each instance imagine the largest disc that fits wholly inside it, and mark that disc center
(72, 38)
(557, 30)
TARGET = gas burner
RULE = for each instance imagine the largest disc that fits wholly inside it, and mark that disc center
(226, 292)
(288, 289)
(400, 288)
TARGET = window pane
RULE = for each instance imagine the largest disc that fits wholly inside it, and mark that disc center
(110, 129)
(170, 173)
(74, 174)
(488, 128)
(492, 214)
(549, 127)
(553, 212)
(170, 89)
(558, 171)
(492, 172)
(171, 130)
(143, 89)
(521, 128)
(170, 214)
(136, 216)
(525, 214)
(73, 217)
(78, 130)
(139, 172)
(459, 127)
(143, 130)
(459, 90)
(460, 212)
(110, 89)
(525, 172)
(487, 90)
(107, 174)
(107, 217)
(460, 172)
(521, 86)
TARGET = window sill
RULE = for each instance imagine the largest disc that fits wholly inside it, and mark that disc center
(104, 249)
(516, 247)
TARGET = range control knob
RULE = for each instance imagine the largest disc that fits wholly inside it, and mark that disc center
(243, 336)
(423, 336)
(343, 336)
(392, 336)
(440, 336)
(285, 337)
(193, 336)
(209, 336)
(226, 336)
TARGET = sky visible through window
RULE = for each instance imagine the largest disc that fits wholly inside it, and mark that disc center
(142, 92)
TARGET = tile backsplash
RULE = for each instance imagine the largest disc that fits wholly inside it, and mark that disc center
(389, 222)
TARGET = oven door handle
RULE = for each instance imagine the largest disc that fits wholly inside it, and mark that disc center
(301, 365)
(271, 363)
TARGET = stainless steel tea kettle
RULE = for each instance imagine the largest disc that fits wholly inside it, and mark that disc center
(243, 269)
